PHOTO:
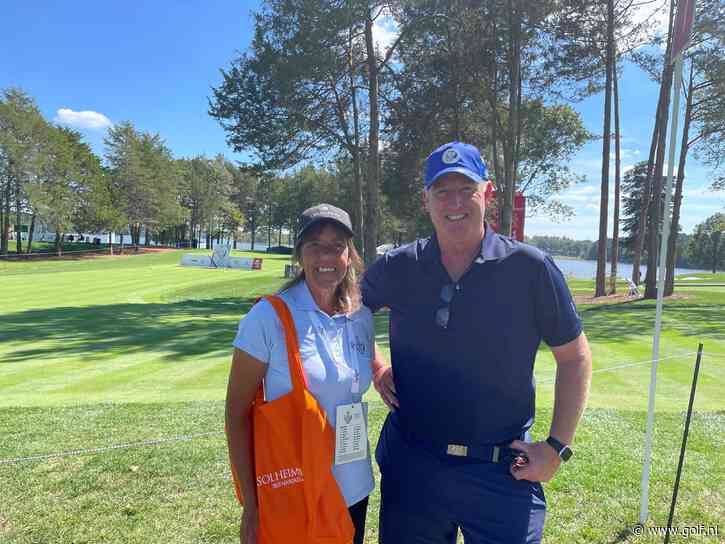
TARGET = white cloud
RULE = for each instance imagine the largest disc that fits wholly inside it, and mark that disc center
(82, 119)
(655, 16)
(628, 154)
(701, 192)
(580, 193)
(385, 31)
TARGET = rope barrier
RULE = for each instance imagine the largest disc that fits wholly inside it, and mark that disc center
(628, 365)
(93, 451)
(710, 355)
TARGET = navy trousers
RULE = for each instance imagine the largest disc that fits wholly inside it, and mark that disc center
(427, 496)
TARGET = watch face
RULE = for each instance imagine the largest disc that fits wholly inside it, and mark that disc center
(565, 453)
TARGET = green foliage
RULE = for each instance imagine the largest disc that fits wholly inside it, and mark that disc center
(707, 247)
(144, 178)
(557, 245)
(22, 134)
(550, 137)
(632, 189)
(296, 78)
(62, 192)
(206, 187)
(453, 82)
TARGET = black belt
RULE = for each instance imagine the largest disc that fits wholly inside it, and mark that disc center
(489, 453)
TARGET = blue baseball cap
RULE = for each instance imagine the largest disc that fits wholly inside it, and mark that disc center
(455, 157)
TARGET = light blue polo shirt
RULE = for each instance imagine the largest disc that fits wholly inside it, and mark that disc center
(332, 349)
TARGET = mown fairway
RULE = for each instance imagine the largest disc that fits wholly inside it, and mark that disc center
(114, 351)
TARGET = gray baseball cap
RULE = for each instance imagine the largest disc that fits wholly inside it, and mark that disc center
(324, 212)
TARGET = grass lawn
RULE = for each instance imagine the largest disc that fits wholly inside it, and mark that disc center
(120, 350)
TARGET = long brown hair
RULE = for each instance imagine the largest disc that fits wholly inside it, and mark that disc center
(347, 294)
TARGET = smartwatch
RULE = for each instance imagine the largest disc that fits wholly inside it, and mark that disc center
(562, 450)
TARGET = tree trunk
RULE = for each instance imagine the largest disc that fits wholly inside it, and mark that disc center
(493, 122)
(18, 233)
(270, 229)
(677, 200)
(617, 178)
(371, 217)
(147, 240)
(358, 209)
(110, 242)
(31, 231)
(59, 243)
(601, 289)
(510, 158)
(254, 232)
(647, 194)
(3, 225)
(655, 225)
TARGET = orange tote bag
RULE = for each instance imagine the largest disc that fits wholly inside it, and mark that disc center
(294, 444)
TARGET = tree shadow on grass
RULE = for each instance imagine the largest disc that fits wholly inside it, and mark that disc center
(201, 327)
(618, 323)
(175, 330)
(625, 534)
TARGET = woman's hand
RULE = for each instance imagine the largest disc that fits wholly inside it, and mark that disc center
(248, 526)
(385, 385)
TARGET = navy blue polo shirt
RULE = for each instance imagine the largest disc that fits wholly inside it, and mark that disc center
(472, 382)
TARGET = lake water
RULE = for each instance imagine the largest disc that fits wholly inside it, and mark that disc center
(587, 270)
(580, 269)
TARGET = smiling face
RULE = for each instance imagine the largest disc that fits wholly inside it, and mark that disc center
(324, 256)
(457, 207)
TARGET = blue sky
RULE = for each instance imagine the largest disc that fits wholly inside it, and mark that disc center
(89, 64)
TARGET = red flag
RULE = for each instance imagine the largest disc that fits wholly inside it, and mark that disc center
(683, 26)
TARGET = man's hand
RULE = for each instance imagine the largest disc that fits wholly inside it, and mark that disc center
(385, 385)
(542, 464)
(248, 526)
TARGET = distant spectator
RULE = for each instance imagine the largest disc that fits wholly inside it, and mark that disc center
(633, 288)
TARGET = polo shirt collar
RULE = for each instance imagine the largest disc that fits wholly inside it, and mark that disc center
(301, 298)
(493, 248)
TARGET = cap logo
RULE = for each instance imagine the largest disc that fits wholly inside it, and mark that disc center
(450, 156)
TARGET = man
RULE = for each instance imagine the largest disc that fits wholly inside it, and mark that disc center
(468, 309)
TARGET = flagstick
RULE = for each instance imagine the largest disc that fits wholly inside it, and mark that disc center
(644, 504)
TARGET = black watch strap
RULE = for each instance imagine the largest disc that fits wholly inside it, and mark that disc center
(562, 450)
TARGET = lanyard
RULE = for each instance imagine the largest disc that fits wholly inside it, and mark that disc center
(353, 364)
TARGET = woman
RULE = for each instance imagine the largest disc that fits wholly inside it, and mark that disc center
(335, 335)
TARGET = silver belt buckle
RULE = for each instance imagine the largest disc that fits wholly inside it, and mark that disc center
(457, 449)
